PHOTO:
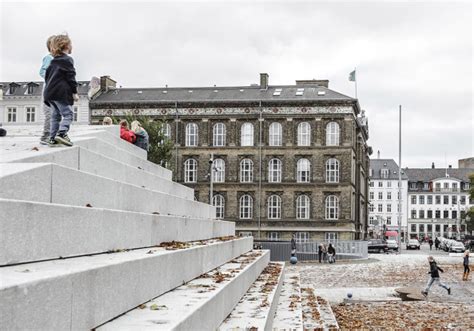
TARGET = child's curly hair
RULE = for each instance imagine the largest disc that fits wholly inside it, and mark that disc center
(49, 41)
(59, 44)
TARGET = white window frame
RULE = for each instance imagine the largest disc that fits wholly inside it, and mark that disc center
(332, 170)
(371, 195)
(275, 134)
(380, 196)
(274, 207)
(246, 134)
(246, 171)
(304, 134)
(218, 171)
(274, 171)
(190, 171)
(330, 236)
(218, 201)
(332, 207)
(245, 233)
(303, 207)
(332, 134)
(167, 131)
(192, 135)
(303, 171)
(12, 114)
(30, 114)
(273, 236)
(301, 237)
(218, 135)
(245, 207)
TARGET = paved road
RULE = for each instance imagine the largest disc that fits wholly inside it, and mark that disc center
(424, 249)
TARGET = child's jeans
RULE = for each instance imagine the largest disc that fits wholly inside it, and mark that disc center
(61, 118)
(47, 122)
(435, 280)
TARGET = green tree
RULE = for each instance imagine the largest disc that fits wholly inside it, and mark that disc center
(160, 148)
(470, 223)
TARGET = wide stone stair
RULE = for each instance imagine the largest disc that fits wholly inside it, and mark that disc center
(96, 237)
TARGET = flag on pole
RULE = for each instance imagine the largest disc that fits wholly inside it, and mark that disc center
(352, 76)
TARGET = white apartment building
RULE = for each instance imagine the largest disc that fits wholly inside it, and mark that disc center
(437, 202)
(21, 103)
(383, 198)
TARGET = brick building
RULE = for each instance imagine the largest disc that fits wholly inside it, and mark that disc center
(287, 159)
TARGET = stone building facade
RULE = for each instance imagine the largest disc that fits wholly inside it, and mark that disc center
(286, 159)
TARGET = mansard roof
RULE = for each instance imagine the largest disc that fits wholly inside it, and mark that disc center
(22, 88)
(376, 165)
(429, 174)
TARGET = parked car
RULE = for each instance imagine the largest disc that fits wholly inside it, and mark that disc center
(413, 244)
(377, 246)
(457, 246)
(392, 244)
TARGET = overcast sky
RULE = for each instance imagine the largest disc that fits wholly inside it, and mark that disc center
(418, 55)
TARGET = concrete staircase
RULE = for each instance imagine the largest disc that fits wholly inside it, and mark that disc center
(95, 236)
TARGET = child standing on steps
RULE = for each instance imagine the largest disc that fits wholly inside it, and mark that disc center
(46, 109)
(61, 90)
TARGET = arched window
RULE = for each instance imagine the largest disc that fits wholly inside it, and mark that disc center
(274, 207)
(192, 134)
(246, 171)
(246, 134)
(332, 134)
(275, 134)
(304, 134)
(218, 171)
(332, 171)
(219, 202)
(303, 171)
(218, 135)
(167, 131)
(246, 207)
(190, 171)
(302, 207)
(332, 207)
(274, 171)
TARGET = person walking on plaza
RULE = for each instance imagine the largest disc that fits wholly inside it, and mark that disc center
(430, 242)
(60, 90)
(46, 109)
(320, 252)
(465, 263)
(325, 253)
(142, 136)
(436, 243)
(331, 254)
(434, 277)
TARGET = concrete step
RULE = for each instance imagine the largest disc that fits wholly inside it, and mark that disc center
(112, 151)
(85, 160)
(112, 139)
(44, 182)
(289, 314)
(85, 292)
(257, 307)
(317, 313)
(28, 149)
(201, 304)
(34, 231)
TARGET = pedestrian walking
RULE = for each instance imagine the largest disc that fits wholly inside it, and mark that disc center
(466, 265)
(325, 253)
(60, 90)
(142, 136)
(320, 252)
(436, 243)
(430, 242)
(293, 246)
(46, 109)
(331, 254)
(434, 277)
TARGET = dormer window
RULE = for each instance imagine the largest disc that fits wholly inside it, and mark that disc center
(30, 89)
(384, 173)
(12, 89)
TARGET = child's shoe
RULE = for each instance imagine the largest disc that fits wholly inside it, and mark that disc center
(44, 141)
(63, 139)
(54, 143)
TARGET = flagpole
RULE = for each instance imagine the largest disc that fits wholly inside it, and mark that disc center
(399, 179)
(355, 81)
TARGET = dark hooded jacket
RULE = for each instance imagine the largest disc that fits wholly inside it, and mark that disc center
(434, 270)
(60, 80)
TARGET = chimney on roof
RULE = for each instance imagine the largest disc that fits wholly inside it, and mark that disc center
(106, 83)
(378, 154)
(263, 81)
(319, 82)
(432, 165)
